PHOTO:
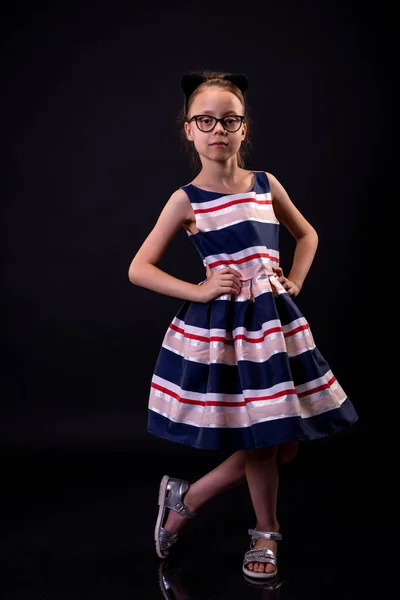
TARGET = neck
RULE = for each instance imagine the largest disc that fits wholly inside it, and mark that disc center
(220, 173)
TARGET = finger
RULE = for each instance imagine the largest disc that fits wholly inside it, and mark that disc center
(230, 271)
(278, 271)
(232, 285)
(229, 277)
(230, 289)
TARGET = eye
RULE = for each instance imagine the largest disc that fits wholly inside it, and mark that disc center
(205, 120)
(232, 120)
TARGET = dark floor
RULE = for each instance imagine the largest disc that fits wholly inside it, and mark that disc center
(79, 524)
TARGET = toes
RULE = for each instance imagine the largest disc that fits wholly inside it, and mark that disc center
(260, 568)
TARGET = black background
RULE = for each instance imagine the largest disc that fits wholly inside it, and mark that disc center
(91, 92)
(90, 154)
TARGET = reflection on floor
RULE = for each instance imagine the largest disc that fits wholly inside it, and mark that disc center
(79, 524)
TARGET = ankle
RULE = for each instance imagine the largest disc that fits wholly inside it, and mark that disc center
(268, 526)
(191, 501)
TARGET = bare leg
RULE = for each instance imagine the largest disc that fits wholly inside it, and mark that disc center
(227, 475)
(262, 478)
(287, 452)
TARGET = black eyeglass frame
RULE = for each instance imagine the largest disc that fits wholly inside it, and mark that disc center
(195, 117)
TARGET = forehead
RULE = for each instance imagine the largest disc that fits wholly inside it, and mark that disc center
(216, 100)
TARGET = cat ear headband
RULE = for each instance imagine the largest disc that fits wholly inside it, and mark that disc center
(191, 81)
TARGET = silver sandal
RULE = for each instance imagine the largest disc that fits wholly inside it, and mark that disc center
(261, 555)
(170, 497)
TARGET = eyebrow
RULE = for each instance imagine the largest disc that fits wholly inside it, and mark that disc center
(211, 113)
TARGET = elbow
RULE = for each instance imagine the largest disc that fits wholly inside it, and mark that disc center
(311, 236)
(137, 272)
(133, 274)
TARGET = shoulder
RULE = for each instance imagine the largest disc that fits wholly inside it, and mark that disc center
(179, 198)
(271, 178)
(179, 201)
(276, 188)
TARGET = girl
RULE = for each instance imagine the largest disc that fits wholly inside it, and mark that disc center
(238, 368)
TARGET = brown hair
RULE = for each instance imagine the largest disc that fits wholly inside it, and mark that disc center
(213, 78)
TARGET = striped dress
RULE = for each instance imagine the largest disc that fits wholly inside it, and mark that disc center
(243, 371)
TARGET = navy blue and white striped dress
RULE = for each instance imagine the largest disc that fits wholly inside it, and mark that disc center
(242, 371)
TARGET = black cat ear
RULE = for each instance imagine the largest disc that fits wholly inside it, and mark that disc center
(239, 80)
(190, 82)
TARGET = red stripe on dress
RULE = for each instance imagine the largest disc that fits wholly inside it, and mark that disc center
(296, 330)
(243, 260)
(231, 203)
(324, 386)
(221, 402)
(217, 338)
(272, 396)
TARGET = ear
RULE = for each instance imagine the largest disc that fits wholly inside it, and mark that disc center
(244, 130)
(188, 131)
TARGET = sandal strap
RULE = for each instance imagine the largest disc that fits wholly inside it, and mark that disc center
(263, 555)
(266, 535)
(167, 539)
(177, 489)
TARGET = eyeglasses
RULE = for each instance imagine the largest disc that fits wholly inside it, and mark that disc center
(206, 123)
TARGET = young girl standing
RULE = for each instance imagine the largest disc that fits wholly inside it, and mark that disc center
(238, 368)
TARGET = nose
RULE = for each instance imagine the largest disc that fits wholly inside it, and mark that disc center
(219, 127)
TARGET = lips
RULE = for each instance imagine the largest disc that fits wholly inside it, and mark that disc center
(218, 144)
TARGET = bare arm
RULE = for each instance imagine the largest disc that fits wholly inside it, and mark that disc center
(143, 270)
(304, 233)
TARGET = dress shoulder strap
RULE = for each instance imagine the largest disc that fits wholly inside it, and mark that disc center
(261, 182)
(196, 194)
